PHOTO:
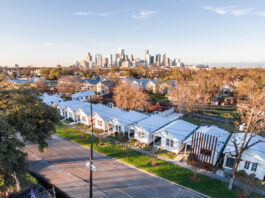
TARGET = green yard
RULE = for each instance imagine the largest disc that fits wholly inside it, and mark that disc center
(167, 154)
(179, 175)
(200, 121)
(224, 112)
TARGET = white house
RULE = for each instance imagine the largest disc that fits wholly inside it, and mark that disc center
(50, 99)
(253, 159)
(172, 136)
(83, 95)
(205, 149)
(102, 115)
(143, 129)
(61, 106)
(122, 119)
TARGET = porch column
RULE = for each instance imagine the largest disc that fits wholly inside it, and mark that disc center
(185, 150)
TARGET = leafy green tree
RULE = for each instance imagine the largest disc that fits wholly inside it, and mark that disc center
(22, 117)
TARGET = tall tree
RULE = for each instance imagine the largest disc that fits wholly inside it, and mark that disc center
(252, 113)
(69, 84)
(22, 115)
(41, 86)
(187, 97)
(130, 97)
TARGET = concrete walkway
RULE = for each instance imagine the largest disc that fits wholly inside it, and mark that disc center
(63, 165)
(185, 165)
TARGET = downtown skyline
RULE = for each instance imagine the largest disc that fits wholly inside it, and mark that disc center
(199, 32)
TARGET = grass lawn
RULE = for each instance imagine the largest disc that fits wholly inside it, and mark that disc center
(167, 154)
(26, 181)
(199, 121)
(177, 174)
(159, 98)
(82, 126)
(68, 121)
(221, 112)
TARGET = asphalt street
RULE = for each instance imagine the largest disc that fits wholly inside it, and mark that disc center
(63, 164)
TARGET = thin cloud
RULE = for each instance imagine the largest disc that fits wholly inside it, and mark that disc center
(143, 14)
(231, 10)
(49, 44)
(261, 13)
(81, 13)
(101, 14)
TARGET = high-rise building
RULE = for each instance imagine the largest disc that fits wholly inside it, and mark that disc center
(131, 58)
(122, 52)
(98, 60)
(152, 60)
(89, 57)
(83, 63)
(110, 60)
(147, 57)
(158, 59)
(164, 59)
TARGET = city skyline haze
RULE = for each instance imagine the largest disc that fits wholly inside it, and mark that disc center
(51, 32)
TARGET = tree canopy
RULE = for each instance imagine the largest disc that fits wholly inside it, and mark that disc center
(23, 117)
(129, 97)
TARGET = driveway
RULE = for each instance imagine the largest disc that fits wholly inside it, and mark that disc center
(63, 164)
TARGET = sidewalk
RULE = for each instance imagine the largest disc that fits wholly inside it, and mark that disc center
(181, 164)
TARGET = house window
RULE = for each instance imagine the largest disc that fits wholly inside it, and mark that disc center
(206, 152)
(119, 128)
(167, 142)
(230, 162)
(141, 134)
(172, 143)
(99, 123)
(247, 164)
(254, 167)
(84, 118)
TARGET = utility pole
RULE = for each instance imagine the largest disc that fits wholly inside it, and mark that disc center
(91, 155)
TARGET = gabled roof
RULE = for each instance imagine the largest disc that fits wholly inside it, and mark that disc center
(153, 123)
(20, 81)
(257, 149)
(107, 83)
(90, 81)
(221, 134)
(50, 98)
(83, 94)
(180, 129)
(129, 117)
(73, 104)
(143, 81)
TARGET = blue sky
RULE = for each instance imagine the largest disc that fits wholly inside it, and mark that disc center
(50, 32)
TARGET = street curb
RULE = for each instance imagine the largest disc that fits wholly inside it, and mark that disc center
(178, 185)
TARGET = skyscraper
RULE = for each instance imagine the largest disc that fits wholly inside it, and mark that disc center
(147, 57)
(89, 57)
(98, 60)
(164, 59)
(121, 51)
(158, 59)
(110, 60)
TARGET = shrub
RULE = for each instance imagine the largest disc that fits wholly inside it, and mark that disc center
(242, 173)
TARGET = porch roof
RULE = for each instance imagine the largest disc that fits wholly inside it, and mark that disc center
(180, 129)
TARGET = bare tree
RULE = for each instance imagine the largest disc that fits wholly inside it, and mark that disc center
(252, 113)
(69, 84)
(188, 97)
(129, 97)
(41, 86)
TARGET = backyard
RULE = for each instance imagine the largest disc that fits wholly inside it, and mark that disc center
(201, 121)
(174, 173)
